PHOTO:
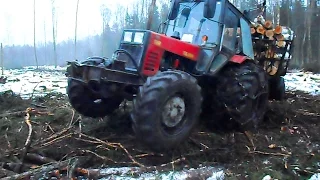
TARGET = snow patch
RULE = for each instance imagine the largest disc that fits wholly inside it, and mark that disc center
(303, 81)
(29, 81)
(315, 177)
(127, 173)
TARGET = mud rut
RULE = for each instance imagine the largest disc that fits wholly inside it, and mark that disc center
(45, 136)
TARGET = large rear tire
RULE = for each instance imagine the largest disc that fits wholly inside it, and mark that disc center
(277, 89)
(89, 104)
(166, 110)
(242, 95)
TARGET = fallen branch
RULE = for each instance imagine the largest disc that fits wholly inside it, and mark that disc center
(38, 158)
(54, 136)
(5, 173)
(114, 145)
(99, 156)
(23, 113)
(38, 105)
(56, 140)
(269, 153)
(71, 168)
(6, 137)
(28, 141)
(41, 170)
(97, 173)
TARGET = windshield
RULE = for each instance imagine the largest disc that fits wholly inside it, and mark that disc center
(190, 25)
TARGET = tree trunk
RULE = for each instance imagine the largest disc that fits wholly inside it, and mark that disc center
(308, 28)
(103, 34)
(45, 41)
(34, 32)
(153, 3)
(75, 31)
(54, 34)
(1, 59)
(142, 10)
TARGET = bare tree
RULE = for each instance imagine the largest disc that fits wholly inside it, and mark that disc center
(34, 33)
(45, 40)
(75, 31)
(54, 33)
(151, 11)
(1, 59)
(105, 13)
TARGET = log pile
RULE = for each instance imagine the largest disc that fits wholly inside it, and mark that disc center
(273, 46)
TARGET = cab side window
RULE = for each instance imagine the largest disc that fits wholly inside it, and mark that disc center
(230, 31)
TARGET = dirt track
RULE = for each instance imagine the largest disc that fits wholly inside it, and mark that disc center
(287, 146)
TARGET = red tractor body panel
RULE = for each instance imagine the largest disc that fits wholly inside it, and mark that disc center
(158, 44)
(238, 59)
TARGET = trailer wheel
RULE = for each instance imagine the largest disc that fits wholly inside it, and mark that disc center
(242, 94)
(88, 104)
(166, 110)
(277, 89)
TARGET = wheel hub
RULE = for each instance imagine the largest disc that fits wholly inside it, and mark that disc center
(173, 112)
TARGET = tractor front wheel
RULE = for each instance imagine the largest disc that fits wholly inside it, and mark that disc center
(166, 109)
(89, 104)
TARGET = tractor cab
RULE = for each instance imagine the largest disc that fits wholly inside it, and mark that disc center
(217, 26)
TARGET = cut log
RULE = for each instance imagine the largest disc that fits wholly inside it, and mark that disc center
(271, 38)
(253, 30)
(278, 29)
(269, 53)
(281, 43)
(260, 29)
(269, 33)
(271, 68)
(279, 37)
(268, 24)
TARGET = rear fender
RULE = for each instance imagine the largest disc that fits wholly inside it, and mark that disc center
(222, 59)
(239, 59)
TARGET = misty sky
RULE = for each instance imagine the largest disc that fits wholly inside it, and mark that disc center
(16, 19)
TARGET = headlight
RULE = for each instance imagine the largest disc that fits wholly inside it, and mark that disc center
(187, 38)
(127, 36)
(138, 37)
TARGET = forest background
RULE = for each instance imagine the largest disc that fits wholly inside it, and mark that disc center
(302, 16)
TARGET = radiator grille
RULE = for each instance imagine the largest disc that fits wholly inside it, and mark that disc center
(151, 61)
(136, 52)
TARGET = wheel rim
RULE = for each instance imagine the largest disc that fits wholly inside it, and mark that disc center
(173, 112)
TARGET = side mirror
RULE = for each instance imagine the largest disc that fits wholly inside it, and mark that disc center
(174, 9)
(209, 8)
(184, 17)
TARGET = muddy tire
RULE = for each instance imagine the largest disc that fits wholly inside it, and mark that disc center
(242, 95)
(89, 104)
(166, 110)
(277, 89)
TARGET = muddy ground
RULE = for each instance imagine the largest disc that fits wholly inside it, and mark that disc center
(46, 136)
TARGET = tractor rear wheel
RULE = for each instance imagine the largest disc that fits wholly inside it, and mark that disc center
(242, 94)
(166, 110)
(277, 89)
(89, 104)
